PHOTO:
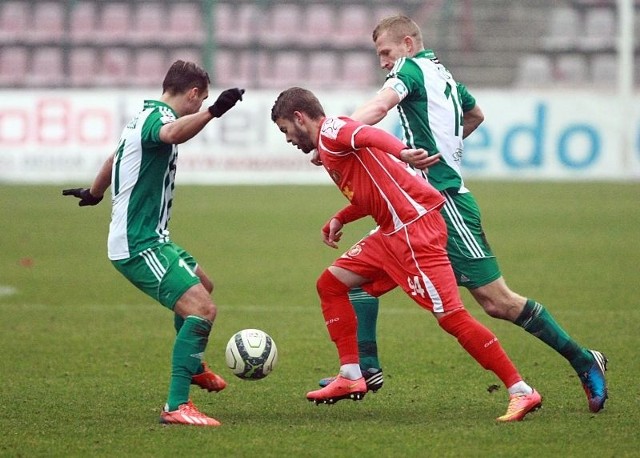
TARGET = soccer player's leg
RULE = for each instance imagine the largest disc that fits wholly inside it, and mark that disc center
(433, 286)
(477, 269)
(191, 341)
(205, 378)
(340, 320)
(366, 307)
(162, 274)
(365, 303)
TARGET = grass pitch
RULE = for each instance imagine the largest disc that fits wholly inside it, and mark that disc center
(85, 356)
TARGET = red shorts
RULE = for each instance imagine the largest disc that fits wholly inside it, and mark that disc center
(414, 258)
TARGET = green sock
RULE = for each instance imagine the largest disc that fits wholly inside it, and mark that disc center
(188, 348)
(536, 320)
(178, 321)
(366, 308)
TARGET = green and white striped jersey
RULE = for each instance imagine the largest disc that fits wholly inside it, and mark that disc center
(142, 183)
(431, 114)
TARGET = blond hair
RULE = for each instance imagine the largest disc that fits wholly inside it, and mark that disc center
(398, 27)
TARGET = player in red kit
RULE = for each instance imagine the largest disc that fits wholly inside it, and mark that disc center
(408, 250)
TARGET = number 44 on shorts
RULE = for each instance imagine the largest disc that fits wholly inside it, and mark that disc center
(416, 286)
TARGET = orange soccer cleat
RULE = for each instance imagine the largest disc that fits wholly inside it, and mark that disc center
(208, 380)
(187, 414)
(340, 388)
(520, 405)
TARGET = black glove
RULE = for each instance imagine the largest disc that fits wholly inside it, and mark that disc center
(225, 101)
(85, 196)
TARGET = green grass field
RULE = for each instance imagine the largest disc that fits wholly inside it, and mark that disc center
(85, 356)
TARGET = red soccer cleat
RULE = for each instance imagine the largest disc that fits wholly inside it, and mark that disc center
(340, 388)
(187, 414)
(208, 380)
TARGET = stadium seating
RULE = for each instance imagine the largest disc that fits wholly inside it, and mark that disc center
(325, 42)
(236, 24)
(534, 70)
(149, 24)
(319, 26)
(234, 68)
(115, 67)
(115, 24)
(280, 69)
(14, 64)
(150, 66)
(14, 21)
(47, 67)
(604, 69)
(47, 23)
(83, 22)
(185, 24)
(355, 24)
(358, 70)
(599, 30)
(564, 28)
(280, 26)
(83, 66)
(323, 69)
(571, 69)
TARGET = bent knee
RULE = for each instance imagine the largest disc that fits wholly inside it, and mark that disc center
(196, 301)
(506, 307)
(329, 285)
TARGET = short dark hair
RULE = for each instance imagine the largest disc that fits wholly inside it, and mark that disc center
(296, 99)
(183, 76)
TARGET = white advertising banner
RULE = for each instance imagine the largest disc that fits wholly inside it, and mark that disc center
(64, 136)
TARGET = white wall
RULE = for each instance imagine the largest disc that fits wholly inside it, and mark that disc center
(63, 136)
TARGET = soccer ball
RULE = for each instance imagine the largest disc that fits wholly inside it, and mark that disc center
(251, 354)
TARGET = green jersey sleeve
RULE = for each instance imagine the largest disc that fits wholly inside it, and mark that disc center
(467, 101)
(408, 71)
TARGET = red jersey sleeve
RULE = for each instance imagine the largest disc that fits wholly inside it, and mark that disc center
(368, 136)
(342, 134)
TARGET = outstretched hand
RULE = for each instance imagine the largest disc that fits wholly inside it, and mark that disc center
(226, 100)
(84, 194)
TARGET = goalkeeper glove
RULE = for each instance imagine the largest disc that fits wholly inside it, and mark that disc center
(225, 101)
(84, 194)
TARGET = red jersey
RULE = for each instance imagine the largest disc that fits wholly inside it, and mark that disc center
(359, 159)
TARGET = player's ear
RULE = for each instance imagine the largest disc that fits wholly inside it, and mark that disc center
(298, 116)
(194, 93)
(409, 44)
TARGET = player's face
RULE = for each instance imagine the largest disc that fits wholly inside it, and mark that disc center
(296, 134)
(194, 99)
(389, 50)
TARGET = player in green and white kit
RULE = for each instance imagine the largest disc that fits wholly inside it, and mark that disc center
(436, 113)
(141, 174)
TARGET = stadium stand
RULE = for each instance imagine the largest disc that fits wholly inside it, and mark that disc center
(493, 43)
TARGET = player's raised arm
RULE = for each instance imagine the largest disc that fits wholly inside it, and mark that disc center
(375, 109)
(186, 127)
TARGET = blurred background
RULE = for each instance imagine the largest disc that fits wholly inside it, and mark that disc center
(550, 75)
(270, 44)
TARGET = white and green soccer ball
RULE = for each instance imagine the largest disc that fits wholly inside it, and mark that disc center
(251, 354)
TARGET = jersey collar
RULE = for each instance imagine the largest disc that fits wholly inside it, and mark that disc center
(428, 53)
(158, 104)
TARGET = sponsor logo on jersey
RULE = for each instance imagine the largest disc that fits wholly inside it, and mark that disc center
(331, 127)
(348, 193)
